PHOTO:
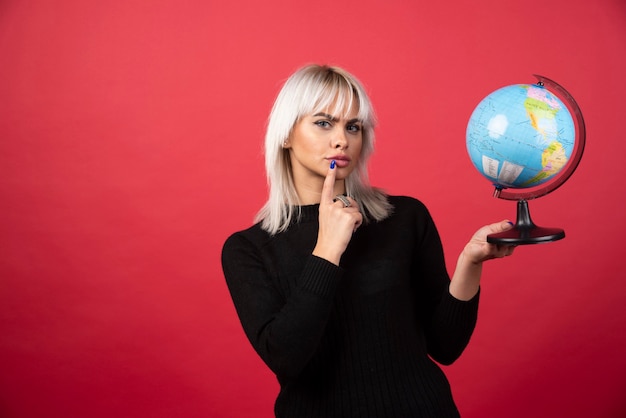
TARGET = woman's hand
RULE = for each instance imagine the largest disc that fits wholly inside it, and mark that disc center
(466, 279)
(478, 249)
(337, 222)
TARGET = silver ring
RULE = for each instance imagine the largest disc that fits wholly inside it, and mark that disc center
(344, 200)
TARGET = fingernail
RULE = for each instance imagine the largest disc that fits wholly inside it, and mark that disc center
(511, 223)
(332, 164)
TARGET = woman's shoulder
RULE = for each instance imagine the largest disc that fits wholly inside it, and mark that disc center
(410, 212)
(408, 209)
(406, 203)
(252, 236)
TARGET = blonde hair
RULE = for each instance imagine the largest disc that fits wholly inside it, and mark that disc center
(311, 89)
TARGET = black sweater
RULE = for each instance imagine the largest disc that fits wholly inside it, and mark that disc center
(354, 340)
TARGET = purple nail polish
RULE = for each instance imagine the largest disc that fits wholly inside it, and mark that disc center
(332, 164)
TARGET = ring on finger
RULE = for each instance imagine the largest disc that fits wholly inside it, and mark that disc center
(343, 199)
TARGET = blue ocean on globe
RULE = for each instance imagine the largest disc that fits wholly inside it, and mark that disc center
(520, 136)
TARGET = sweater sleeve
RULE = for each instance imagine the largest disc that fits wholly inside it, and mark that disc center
(452, 327)
(448, 322)
(284, 330)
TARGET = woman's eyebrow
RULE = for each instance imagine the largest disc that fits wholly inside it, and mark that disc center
(327, 116)
(335, 119)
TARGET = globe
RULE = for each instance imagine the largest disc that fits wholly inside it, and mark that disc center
(527, 140)
(520, 136)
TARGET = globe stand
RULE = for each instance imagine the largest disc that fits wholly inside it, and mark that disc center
(525, 231)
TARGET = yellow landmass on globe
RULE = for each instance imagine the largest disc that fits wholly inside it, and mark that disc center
(553, 159)
(539, 110)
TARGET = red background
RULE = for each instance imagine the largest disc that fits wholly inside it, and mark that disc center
(130, 148)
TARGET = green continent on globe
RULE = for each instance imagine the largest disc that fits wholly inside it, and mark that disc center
(541, 112)
(538, 111)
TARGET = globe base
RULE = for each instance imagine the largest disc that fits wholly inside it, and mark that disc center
(525, 231)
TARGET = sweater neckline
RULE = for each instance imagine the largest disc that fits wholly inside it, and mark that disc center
(307, 213)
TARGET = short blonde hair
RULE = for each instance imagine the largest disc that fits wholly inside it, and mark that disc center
(309, 90)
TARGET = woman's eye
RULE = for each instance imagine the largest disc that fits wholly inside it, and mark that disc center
(354, 128)
(323, 123)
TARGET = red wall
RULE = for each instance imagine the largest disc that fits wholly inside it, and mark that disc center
(130, 148)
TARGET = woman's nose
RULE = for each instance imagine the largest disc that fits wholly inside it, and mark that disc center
(339, 140)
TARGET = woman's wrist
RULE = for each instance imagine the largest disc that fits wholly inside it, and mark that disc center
(326, 254)
(466, 279)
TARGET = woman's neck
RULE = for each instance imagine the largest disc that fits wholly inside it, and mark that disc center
(311, 193)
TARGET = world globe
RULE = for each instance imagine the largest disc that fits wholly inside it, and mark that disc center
(527, 140)
(520, 136)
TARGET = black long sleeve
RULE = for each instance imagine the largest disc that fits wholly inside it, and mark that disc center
(354, 340)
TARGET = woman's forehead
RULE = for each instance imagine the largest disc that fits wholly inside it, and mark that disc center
(338, 107)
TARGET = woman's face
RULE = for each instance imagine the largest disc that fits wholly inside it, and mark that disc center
(318, 139)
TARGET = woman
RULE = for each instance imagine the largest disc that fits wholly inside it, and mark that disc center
(341, 289)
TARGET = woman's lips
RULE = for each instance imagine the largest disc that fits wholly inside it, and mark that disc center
(341, 161)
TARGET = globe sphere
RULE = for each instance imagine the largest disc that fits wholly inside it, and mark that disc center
(520, 136)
